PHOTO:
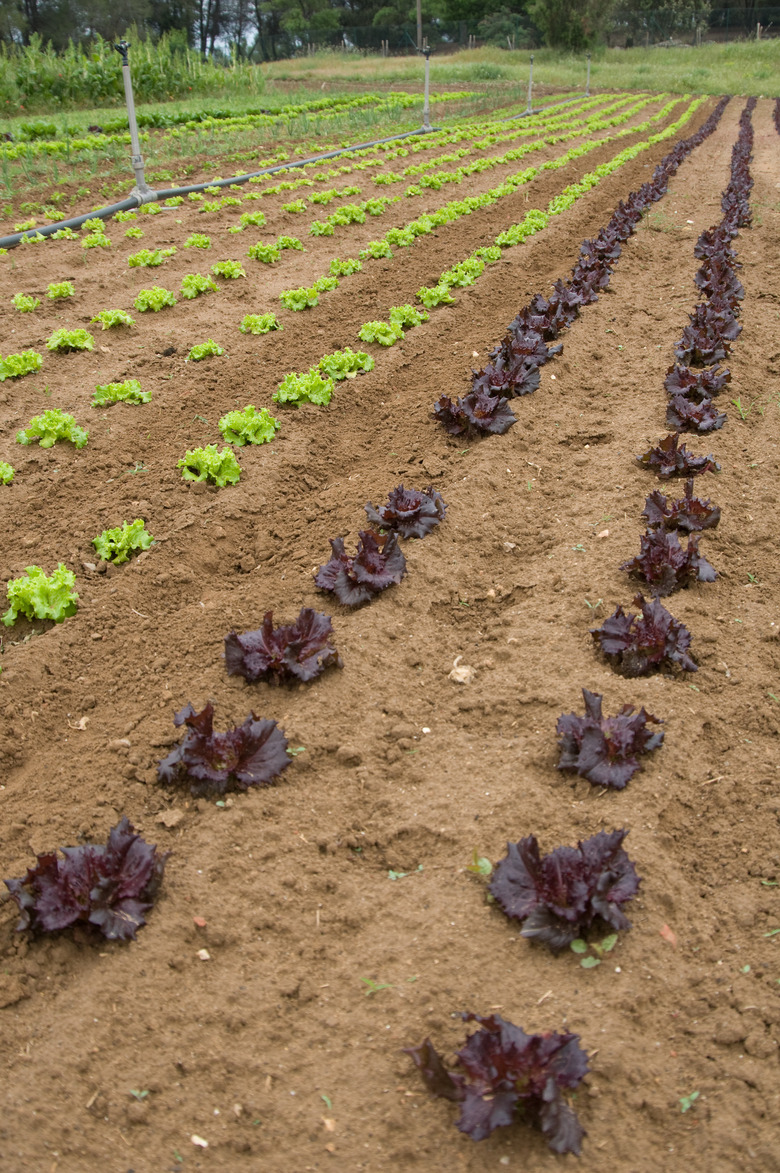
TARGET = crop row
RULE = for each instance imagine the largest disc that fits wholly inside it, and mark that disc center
(558, 898)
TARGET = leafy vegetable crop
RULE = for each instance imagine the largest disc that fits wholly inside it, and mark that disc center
(52, 425)
(193, 284)
(208, 349)
(504, 1074)
(637, 645)
(385, 333)
(206, 464)
(346, 364)
(666, 566)
(6, 473)
(669, 458)
(606, 750)
(67, 340)
(345, 268)
(249, 426)
(687, 513)
(475, 413)
(128, 391)
(153, 300)
(110, 887)
(298, 652)
(411, 513)
(406, 316)
(58, 289)
(259, 324)
(268, 253)
(149, 258)
(355, 579)
(116, 545)
(110, 318)
(251, 754)
(304, 388)
(230, 270)
(25, 304)
(40, 597)
(299, 299)
(14, 366)
(559, 896)
(198, 240)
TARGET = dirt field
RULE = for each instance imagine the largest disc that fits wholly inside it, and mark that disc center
(276, 1050)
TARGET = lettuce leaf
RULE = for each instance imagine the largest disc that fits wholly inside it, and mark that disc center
(300, 651)
(411, 513)
(606, 750)
(116, 545)
(355, 579)
(40, 597)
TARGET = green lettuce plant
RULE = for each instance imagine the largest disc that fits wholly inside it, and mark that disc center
(64, 234)
(24, 303)
(325, 284)
(206, 464)
(434, 295)
(406, 316)
(154, 299)
(198, 240)
(295, 206)
(259, 324)
(13, 366)
(385, 333)
(6, 473)
(37, 596)
(134, 233)
(203, 350)
(345, 364)
(110, 318)
(289, 242)
(52, 425)
(94, 240)
(230, 270)
(345, 268)
(304, 388)
(267, 253)
(374, 250)
(57, 289)
(68, 340)
(249, 426)
(299, 299)
(149, 258)
(116, 545)
(194, 284)
(252, 219)
(128, 391)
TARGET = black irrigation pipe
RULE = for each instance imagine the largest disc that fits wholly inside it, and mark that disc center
(150, 197)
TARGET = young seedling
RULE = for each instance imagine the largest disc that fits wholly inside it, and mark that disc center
(24, 303)
(590, 961)
(57, 289)
(259, 324)
(204, 350)
(67, 340)
(374, 987)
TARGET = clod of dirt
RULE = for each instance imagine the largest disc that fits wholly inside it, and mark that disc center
(461, 673)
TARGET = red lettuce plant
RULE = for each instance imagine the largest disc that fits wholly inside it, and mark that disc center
(606, 750)
(109, 886)
(503, 1074)
(559, 896)
(696, 385)
(687, 513)
(411, 513)
(666, 565)
(637, 645)
(669, 458)
(297, 652)
(356, 578)
(251, 754)
(701, 417)
(474, 413)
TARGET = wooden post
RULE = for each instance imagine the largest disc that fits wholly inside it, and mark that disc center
(530, 85)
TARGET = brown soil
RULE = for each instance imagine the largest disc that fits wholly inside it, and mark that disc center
(275, 1050)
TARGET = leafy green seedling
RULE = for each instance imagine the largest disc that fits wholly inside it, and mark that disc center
(154, 299)
(434, 295)
(95, 240)
(252, 219)
(50, 426)
(374, 987)
(110, 318)
(193, 284)
(6, 473)
(149, 258)
(64, 234)
(40, 597)
(295, 206)
(128, 391)
(299, 299)
(374, 250)
(345, 268)
(249, 426)
(58, 289)
(203, 350)
(24, 303)
(259, 324)
(14, 366)
(304, 388)
(267, 253)
(67, 340)
(228, 269)
(406, 316)
(198, 240)
(480, 865)
(385, 333)
(116, 545)
(289, 242)
(346, 364)
(206, 464)
(687, 1102)
(391, 875)
(139, 1095)
(581, 947)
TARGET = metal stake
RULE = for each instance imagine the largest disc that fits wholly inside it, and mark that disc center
(530, 85)
(141, 189)
(587, 83)
(427, 101)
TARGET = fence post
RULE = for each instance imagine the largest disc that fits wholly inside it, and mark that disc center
(530, 85)
(136, 159)
(587, 83)
(427, 100)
